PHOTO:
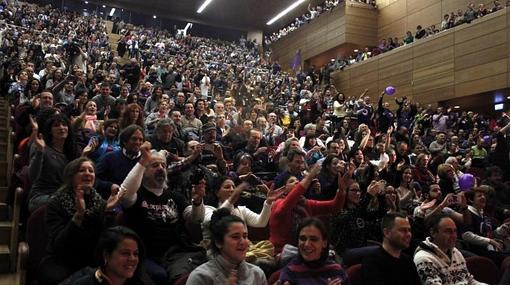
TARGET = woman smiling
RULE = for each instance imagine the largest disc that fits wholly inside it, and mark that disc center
(229, 244)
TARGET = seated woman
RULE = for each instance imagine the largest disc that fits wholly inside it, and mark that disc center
(406, 190)
(485, 234)
(350, 226)
(88, 119)
(229, 243)
(156, 116)
(106, 142)
(50, 152)
(133, 115)
(75, 217)
(293, 206)
(312, 149)
(226, 195)
(328, 179)
(312, 265)
(120, 252)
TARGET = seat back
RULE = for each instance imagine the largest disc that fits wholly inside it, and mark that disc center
(483, 269)
(274, 277)
(37, 239)
(354, 274)
(182, 280)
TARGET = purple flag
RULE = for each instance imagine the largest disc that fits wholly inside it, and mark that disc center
(296, 60)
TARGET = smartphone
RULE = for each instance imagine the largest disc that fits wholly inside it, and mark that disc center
(254, 180)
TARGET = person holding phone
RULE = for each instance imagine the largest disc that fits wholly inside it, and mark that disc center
(435, 203)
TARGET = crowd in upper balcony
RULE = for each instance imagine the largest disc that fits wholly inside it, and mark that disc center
(449, 21)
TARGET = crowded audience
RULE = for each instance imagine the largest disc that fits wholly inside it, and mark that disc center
(173, 162)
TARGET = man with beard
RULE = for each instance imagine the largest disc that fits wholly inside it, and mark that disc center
(157, 214)
(387, 264)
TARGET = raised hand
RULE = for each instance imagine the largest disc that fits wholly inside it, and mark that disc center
(197, 193)
(145, 149)
(37, 138)
(79, 200)
(314, 170)
(344, 181)
(93, 144)
(275, 194)
(336, 281)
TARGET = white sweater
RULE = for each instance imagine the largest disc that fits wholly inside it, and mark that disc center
(437, 268)
(248, 216)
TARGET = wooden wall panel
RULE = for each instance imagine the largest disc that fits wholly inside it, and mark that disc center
(481, 71)
(429, 15)
(392, 12)
(456, 63)
(491, 24)
(429, 45)
(414, 6)
(438, 57)
(415, 12)
(344, 25)
(393, 70)
(488, 54)
(481, 43)
(481, 85)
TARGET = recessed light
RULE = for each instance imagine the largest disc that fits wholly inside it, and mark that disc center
(202, 7)
(285, 12)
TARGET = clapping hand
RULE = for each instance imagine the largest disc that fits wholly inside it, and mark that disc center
(37, 138)
(114, 199)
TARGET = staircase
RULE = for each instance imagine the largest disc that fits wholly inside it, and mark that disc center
(114, 39)
(9, 210)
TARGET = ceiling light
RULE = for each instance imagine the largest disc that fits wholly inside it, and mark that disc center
(154, 16)
(86, 2)
(284, 12)
(456, 107)
(202, 7)
(112, 12)
(104, 6)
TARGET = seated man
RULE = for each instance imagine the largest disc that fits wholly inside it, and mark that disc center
(387, 264)
(295, 167)
(114, 166)
(164, 138)
(158, 215)
(258, 153)
(437, 260)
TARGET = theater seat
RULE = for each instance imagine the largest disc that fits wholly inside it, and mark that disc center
(354, 273)
(37, 239)
(182, 280)
(483, 269)
(258, 234)
(274, 277)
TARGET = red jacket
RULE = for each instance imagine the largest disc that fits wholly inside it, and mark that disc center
(282, 223)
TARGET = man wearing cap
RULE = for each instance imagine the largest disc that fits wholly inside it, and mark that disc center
(164, 138)
(212, 153)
